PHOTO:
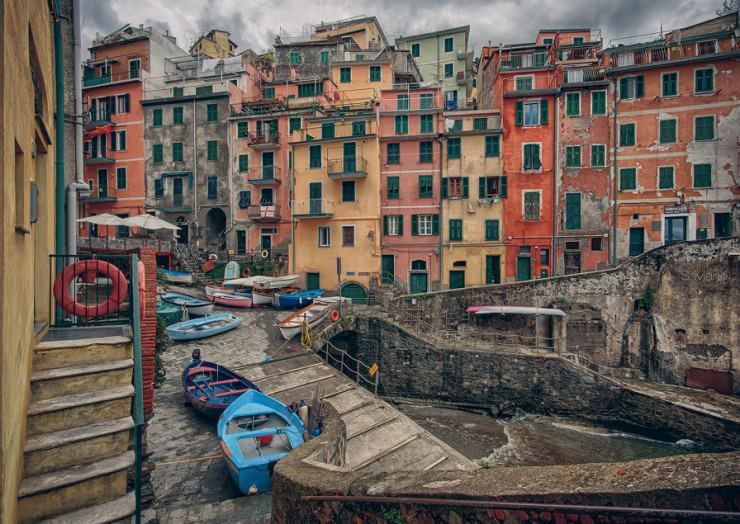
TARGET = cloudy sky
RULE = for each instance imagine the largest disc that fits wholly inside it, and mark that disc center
(254, 23)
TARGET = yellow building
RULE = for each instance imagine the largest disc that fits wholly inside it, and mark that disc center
(214, 44)
(361, 75)
(28, 217)
(473, 185)
(336, 210)
(364, 31)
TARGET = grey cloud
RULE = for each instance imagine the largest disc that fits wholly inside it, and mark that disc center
(99, 16)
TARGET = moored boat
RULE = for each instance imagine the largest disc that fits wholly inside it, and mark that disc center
(298, 299)
(212, 290)
(261, 297)
(178, 277)
(313, 314)
(203, 327)
(195, 306)
(231, 270)
(263, 282)
(169, 312)
(242, 300)
(255, 432)
(211, 388)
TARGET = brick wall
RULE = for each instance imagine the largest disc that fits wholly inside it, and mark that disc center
(149, 326)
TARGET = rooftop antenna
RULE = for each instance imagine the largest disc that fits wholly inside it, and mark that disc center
(661, 30)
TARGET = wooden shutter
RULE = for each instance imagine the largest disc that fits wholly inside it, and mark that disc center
(400, 225)
(414, 225)
(623, 88)
(543, 111)
(465, 187)
(503, 188)
(435, 224)
(385, 225)
(639, 86)
(519, 113)
(444, 187)
(482, 187)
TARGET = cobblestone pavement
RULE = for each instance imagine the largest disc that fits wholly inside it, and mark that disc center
(190, 480)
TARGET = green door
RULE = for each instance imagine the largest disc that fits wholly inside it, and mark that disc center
(418, 283)
(523, 268)
(722, 225)
(493, 269)
(314, 198)
(102, 183)
(388, 269)
(457, 279)
(356, 292)
(268, 165)
(637, 241)
(675, 229)
(350, 157)
(313, 280)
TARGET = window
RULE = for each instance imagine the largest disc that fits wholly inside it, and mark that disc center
(416, 50)
(307, 90)
(665, 177)
(628, 179)
(177, 116)
(598, 155)
(358, 128)
(480, 124)
(177, 91)
(577, 40)
(598, 103)
(547, 41)
(324, 236)
(327, 130)
(531, 113)
(572, 156)
(393, 225)
(531, 160)
(204, 90)
(632, 87)
(402, 124)
(596, 244)
(669, 84)
(572, 211)
(212, 150)
(426, 190)
(393, 155)
(426, 152)
(158, 188)
(426, 124)
(245, 199)
(156, 117)
(157, 154)
(493, 146)
(492, 230)
(425, 225)
(524, 83)
(402, 102)
(348, 236)
(324, 57)
(531, 202)
(544, 257)
(453, 148)
(267, 197)
(426, 101)
(375, 73)
(704, 128)
(243, 163)
(449, 70)
(121, 178)
(177, 152)
(212, 188)
(703, 175)
(449, 44)
(456, 230)
(294, 124)
(123, 103)
(345, 75)
(491, 186)
(627, 135)
(704, 80)
(348, 191)
(393, 187)
(667, 131)
(573, 104)
(212, 112)
(118, 141)
(456, 126)
(242, 129)
(295, 58)
(314, 153)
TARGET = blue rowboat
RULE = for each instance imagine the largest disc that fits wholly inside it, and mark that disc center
(255, 432)
(178, 277)
(169, 312)
(211, 388)
(298, 299)
(203, 327)
(195, 306)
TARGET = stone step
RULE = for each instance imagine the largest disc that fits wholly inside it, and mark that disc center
(117, 510)
(63, 353)
(63, 491)
(80, 409)
(49, 383)
(80, 445)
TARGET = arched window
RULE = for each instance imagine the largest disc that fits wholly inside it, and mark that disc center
(418, 265)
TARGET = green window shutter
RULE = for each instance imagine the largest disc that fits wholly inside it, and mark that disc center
(704, 128)
(392, 187)
(482, 187)
(449, 45)
(269, 93)
(465, 187)
(427, 123)
(212, 112)
(456, 229)
(623, 88)
(669, 87)
(177, 115)
(157, 154)
(573, 104)
(212, 188)
(327, 130)
(426, 152)
(598, 153)
(444, 187)
(393, 153)
(158, 188)
(426, 189)
(492, 230)
(345, 75)
(358, 128)
(519, 113)
(242, 129)
(294, 123)
(243, 163)
(702, 175)
(385, 225)
(295, 58)
(493, 146)
(627, 135)
(402, 124)
(212, 150)
(121, 178)
(177, 152)
(400, 225)
(665, 178)
(667, 131)
(503, 192)
(414, 225)
(543, 112)
(204, 90)
(598, 103)
(324, 57)
(402, 102)
(480, 124)
(435, 224)
(572, 211)
(375, 73)
(315, 156)
(157, 118)
(453, 148)
(177, 91)
(627, 179)
(639, 86)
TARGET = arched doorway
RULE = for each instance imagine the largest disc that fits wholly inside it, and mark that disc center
(183, 233)
(215, 227)
(354, 291)
(418, 277)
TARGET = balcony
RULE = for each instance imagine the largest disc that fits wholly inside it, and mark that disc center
(578, 52)
(98, 197)
(264, 213)
(354, 129)
(665, 53)
(313, 208)
(463, 54)
(89, 159)
(264, 140)
(347, 168)
(525, 61)
(580, 76)
(110, 78)
(529, 85)
(390, 102)
(463, 77)
(173, 203)
(264, 175)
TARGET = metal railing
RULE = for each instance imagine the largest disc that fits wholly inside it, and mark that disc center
(668, 52)
(587, 74)
(92, 81)
(581, 52)
(264, 174)
(264, 211)
(346, 166)
(525, 61)
(313, 206)
(350, 129)
(390, 279)
(122, 244)
(390, 102)
(350, 366)
(264, 139)
(530, 83)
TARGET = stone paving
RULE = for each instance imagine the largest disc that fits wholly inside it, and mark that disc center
(190, 480)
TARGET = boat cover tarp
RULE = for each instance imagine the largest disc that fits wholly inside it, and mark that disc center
(515, 310)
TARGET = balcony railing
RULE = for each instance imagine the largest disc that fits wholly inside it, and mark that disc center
(585, 52)
(578, 76)
(417, 102)
(172, 203)
(529, 83)
(347, 129)
(98, 159)
(347, 168)
(525, 61)
(313, 208)
(669, 52)
(264, 212)
(92, 81)
(264, 175)
(264, 140)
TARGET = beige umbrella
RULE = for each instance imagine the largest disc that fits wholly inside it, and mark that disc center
(149, 222)
(104, 219)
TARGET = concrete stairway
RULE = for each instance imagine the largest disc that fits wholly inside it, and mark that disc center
(76, 456)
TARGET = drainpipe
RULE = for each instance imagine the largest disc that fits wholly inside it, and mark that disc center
(59, 137)
(291, 199)
(555, 171)
(614, 176)
(232, 218)
(440, 139)
(195, 181)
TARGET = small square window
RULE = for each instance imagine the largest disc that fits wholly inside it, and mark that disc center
(597, 244)
(348, 236)
(449, 45)
(628, 179)
(667, 131)
(665, 177)
(573, 156)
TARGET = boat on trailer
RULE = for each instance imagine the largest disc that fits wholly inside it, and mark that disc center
(242, 300)
(312, 314)
(255, 432)
(195, 306)
(297, 299)
(178, 277)
(203, 327)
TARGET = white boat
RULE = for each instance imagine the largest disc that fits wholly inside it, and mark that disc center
(263, 282)
(231, 270)
(261, 297)
(212, 290)
(313, 314)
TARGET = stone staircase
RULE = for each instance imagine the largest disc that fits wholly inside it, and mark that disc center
(76, 456)
(189, 261)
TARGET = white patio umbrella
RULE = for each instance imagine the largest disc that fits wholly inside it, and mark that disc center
(149, 222)
(104, 219)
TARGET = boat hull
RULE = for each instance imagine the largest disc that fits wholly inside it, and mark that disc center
(314, 314)
(238, 300)
(212, 290)
(210, 397)
(261, 299)
(178, 277)
(181, 331)
(195, 307)
(299, 299)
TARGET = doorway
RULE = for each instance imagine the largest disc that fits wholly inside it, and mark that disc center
(722, 225)
(314, 196)
(675, 230)
(183, 233)
(215, 227)
(493, 269)
(350, 157)
(523, 268)
(418, 277)
(177, 192)
(102, 183)
(572, 262)
(637, 241)
(457, 279)
(388, 269)
(313, 281)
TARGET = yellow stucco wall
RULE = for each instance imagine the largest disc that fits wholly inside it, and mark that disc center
(24, 264)
(361, 88)
(362, 33)
(362, 261)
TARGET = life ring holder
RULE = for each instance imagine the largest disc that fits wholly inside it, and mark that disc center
(64, 280)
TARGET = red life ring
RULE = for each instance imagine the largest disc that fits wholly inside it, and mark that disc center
(334, 315)
(69, 304)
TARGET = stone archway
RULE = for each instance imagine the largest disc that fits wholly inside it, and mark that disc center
(215, 228)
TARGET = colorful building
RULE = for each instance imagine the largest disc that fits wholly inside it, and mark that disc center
(113, 87)
(214, 44)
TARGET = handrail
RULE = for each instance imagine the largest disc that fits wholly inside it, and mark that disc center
(138, 380)
(356, 370)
